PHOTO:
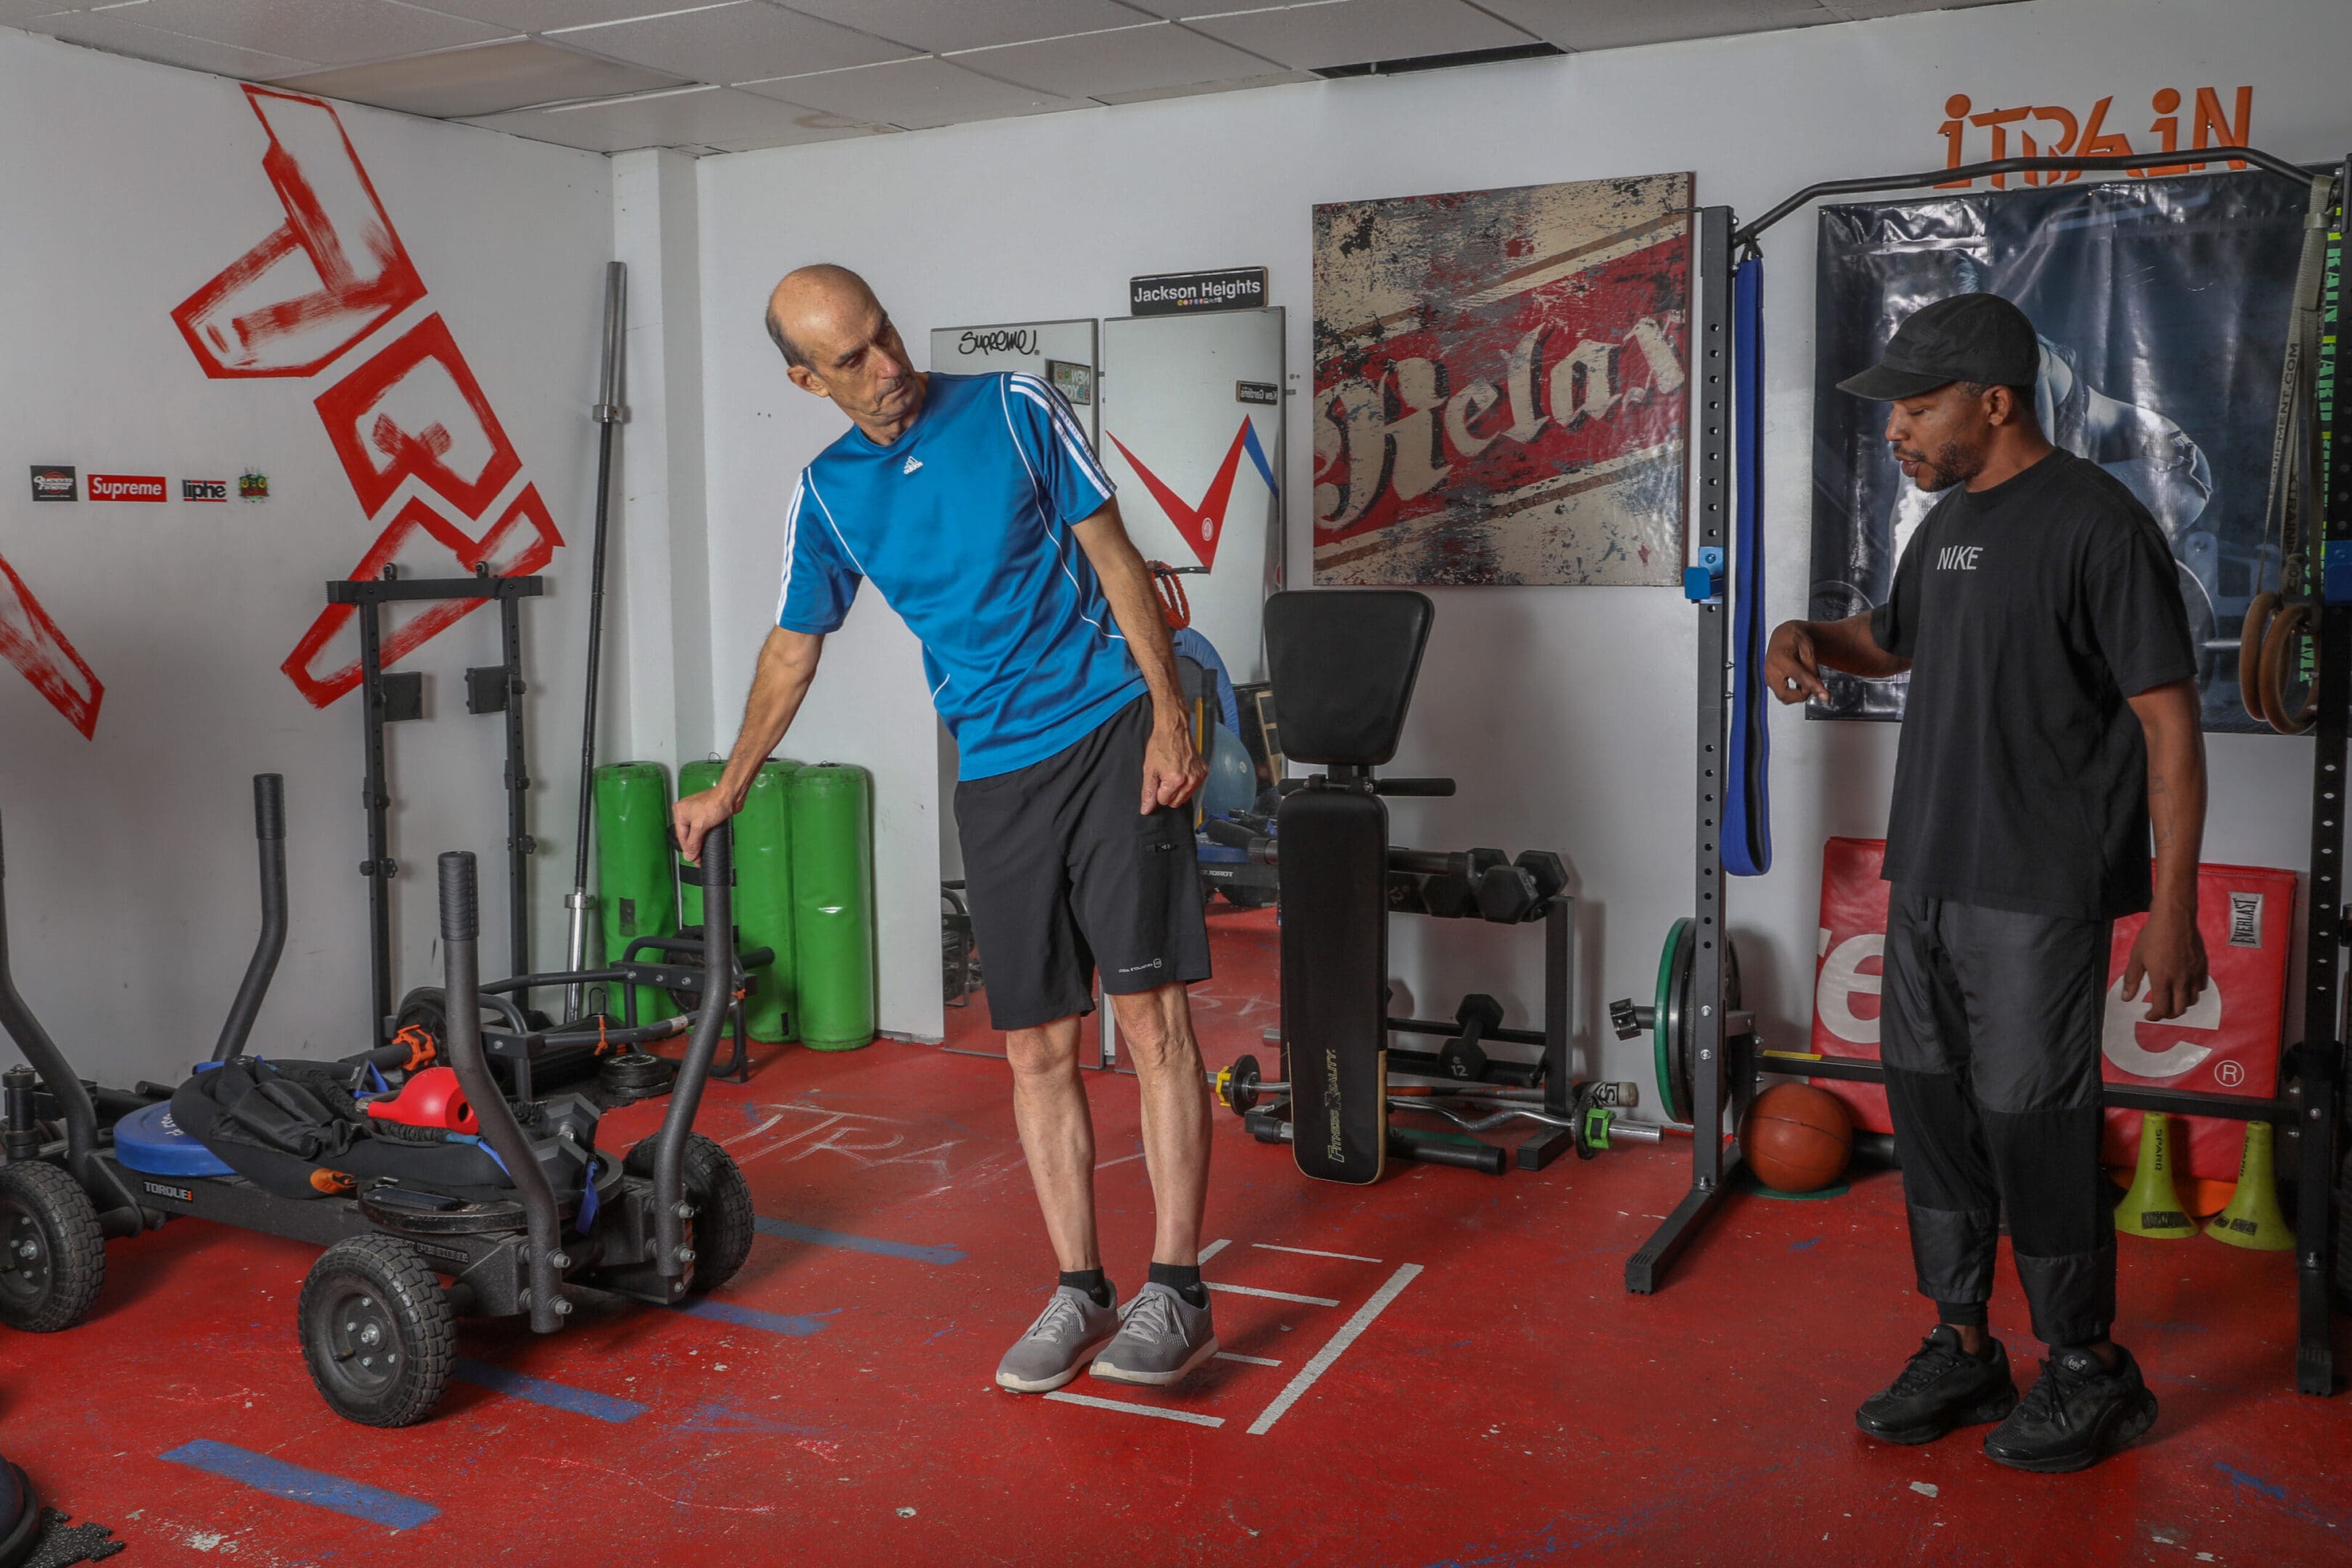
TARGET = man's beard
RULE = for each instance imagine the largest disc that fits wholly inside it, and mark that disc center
(1953, 463)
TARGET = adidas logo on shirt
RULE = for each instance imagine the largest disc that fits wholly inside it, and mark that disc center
(913, 463)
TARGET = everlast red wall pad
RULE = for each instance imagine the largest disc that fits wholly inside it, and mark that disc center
(2227, 1043)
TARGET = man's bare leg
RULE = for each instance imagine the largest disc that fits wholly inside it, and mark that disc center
(1168, 1330)
(1057, 1135)
(1156, 1026)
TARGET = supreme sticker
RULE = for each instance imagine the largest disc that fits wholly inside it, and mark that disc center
(126, 486)
(54, 481)
(204, 490)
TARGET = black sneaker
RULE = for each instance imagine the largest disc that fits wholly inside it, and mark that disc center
(2076, 1414)
(1943, 1388)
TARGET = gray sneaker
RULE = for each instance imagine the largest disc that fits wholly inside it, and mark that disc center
(1057, 1346)
(1161, 1336)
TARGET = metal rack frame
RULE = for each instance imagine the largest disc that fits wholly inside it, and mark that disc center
(1731, 1062)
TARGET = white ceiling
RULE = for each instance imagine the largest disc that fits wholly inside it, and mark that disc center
(732, 75)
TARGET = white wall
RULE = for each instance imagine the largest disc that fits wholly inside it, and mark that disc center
(131, 883)
(1565, 712)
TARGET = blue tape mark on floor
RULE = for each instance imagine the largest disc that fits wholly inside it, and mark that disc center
(874, 1243)
(263, 1473)
(752, 1318)
(538, 1391)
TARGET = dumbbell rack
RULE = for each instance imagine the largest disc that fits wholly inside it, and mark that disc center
(1463, 1060)
(1466, 884)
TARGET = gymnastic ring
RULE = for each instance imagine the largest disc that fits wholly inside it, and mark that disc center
(2294, 621)
(2250, 650)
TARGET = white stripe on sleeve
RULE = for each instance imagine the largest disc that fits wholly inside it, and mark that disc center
(1074, 438)
(792, 539)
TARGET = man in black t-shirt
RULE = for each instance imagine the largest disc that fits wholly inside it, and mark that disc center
(2053, 721)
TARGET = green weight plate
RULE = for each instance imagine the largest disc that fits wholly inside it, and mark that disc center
(1666, 1047)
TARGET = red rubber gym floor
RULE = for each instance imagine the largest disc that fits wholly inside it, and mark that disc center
(1443, 1369)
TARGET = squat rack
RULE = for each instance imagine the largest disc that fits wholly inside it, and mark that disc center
(1731, 1060)
(389, 698)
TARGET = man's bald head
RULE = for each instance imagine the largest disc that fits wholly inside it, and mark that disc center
(810, 297)
(838, 343)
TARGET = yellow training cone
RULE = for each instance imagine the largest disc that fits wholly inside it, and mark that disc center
(2254, 1219)
(2152, 1207)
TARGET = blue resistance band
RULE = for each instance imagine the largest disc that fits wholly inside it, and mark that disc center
(1748, 808)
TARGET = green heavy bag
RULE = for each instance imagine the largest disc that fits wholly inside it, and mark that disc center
(831, 812)
(637, 886)
(763, 890)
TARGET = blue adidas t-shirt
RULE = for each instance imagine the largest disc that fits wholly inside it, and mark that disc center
(964, 523)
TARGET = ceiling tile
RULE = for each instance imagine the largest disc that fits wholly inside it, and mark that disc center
(338, 34)
(1155, 55)
(755, 143)
(1173, 9)
(941, 26)
(914, 94)
(109, 30)
(1611, 24)
(1149, 94)
(1354, 32)
(486, 78)
(1862, 10)
(540, 15)
(744, 40)
(1184, 10)
(709, 115)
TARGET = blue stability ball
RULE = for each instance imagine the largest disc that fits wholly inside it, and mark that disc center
(1233, 777)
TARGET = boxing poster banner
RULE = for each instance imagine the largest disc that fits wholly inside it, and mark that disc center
(330, 297)
(1500, 386)
(2163, 307)
(2227, 1043)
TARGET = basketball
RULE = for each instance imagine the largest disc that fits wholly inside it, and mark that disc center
(1797, 1138)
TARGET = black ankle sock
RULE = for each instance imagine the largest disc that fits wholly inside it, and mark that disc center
(1091, 1281)
(1184, 1278)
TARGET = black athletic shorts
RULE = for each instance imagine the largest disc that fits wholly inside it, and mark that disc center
(1063, 873)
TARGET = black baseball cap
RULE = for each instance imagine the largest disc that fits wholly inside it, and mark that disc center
(1968, 337)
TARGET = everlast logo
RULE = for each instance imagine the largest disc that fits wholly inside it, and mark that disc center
(53, 482)
(1337, 1148)
(177, 1195)
(1959, 557)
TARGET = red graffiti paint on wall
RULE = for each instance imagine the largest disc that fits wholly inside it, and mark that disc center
(427, 457)
(31, 641)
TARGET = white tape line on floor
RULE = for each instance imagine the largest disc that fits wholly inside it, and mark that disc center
(1330, 1353)
(1311, 1252)
(1092, 1402)
(1273, 1295)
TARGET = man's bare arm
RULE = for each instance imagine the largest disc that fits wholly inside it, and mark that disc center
(1171, 769)
(2169, 954)
(787, 664)
(1800, 651)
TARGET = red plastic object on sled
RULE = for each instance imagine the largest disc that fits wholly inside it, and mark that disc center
(433, 1098)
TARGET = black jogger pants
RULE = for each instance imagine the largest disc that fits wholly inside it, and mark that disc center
(1991, 1026)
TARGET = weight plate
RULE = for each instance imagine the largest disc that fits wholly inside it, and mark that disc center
(1666, 1019)
(1685, 1015)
